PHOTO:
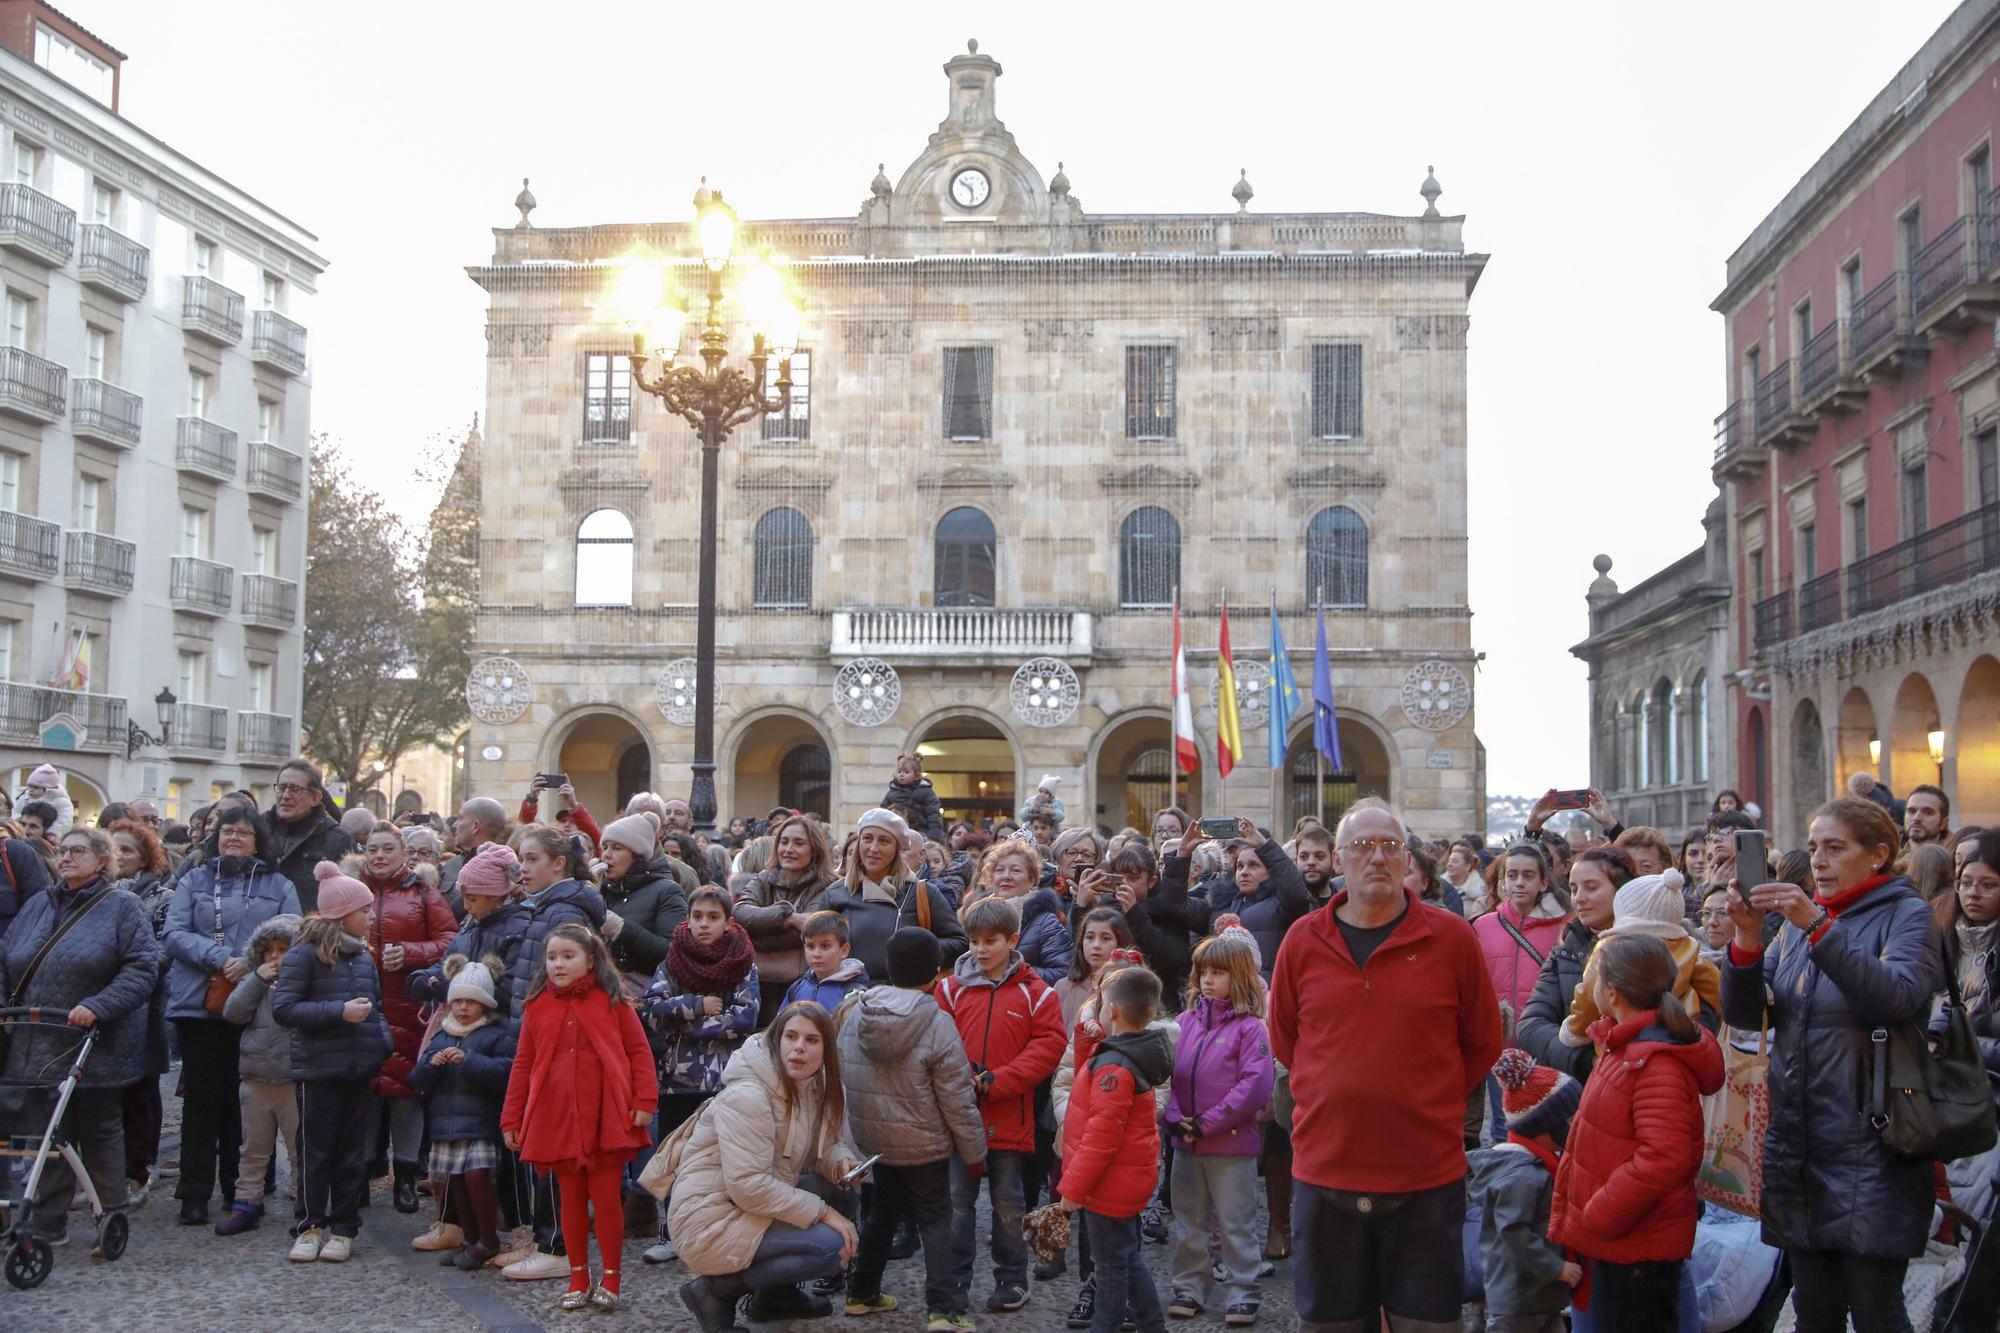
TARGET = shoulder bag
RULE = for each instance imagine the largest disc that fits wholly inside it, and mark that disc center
(1933, 1105)
(219, 985)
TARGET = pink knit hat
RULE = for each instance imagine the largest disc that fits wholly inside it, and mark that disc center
(487, 871)
(339, 895)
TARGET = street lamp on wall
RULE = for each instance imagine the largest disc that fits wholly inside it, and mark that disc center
(136, 736)
(1934, 735)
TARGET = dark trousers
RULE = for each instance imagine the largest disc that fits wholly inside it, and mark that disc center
(1637, 1297)
(924, 1192)
(1355, 1254)
(92, 1124)
(139, 1107)
(547, 1219)
(1828, 1287)
(1009, 1247)
(211, 1119)
(333, 1152)
(1124, 1285)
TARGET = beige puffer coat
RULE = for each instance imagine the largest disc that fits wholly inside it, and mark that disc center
(908, 1082)
(740, 1170)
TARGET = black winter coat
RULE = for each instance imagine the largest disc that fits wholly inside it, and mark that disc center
(499, 934)
(564, 902)
(922, 796)
(1282, 899)
(464, 1099)
(870, 924)
(23, 874)
(1829, 1184)
(308, 999)
(294, 849)
(1542, 1016)
(650, 904)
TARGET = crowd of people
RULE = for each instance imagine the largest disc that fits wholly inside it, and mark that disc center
(792, 1054)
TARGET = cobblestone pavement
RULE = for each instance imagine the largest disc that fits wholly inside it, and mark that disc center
(175, 1278)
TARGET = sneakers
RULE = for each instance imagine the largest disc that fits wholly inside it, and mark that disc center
(876, 1304)
(135, 1195)
(1268, 1268)
(242, 1217)
(193, 1213)
(1184, 1306)
(1081, 1313)
(336, 1249)
(306, 1248)
(663, 1253)
(441, 1236)
(1241, 1315)
(828, 1286)
(1153, 1224)
(1047, 1270)
(514, 1249)
(1005, 1299)
(1216, 1272)
(537, 1267)
(950, 1323)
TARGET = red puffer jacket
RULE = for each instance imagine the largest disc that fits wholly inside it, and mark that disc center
(1624, 1192)
(411, 913)
(1012, 1028)
(1112, 1167)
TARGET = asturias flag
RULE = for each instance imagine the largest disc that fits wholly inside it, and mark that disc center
(1185, 753)
(1284, 702)
(1326, 732)
(1228, 727)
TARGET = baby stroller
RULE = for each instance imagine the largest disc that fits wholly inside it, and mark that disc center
(29, 1261)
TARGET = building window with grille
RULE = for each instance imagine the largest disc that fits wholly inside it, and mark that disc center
(1986, 462)
(1916, 499)
(1337, 558)
(965, 566)
(1149, 393)
(1149, 558)
(607, 398)
(1857, 529)
(783, 551)
(1336, 391)
(795, 422)
(968, 393)
(604, 559)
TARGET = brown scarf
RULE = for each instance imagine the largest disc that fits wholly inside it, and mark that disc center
(709, 969)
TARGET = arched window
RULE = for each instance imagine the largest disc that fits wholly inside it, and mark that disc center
(805, 778)
(1700, 746)
(965, 559)
(1641, 712)
(784, 560)
(1149, 557)
(1337, 558)
(1613, 735)
(1660, 744)
(604, 559)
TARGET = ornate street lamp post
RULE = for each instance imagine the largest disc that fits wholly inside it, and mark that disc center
(714, 399)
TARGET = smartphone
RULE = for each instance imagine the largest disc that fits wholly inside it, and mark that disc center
(554, 781)
(1575, 799)
(1216, 828)
(860, 1170)
(1752, 860)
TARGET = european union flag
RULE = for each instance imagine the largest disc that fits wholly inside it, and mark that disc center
(1326, 731)
(1284, 703)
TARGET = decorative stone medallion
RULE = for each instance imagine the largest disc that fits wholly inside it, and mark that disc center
(1045, 692)
(1253, 691)
(675, 691)
(1436, 695)
(866, 691)
(498, 690)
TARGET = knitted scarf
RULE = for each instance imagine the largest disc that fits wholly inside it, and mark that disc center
(1846, 898)
(709, 969)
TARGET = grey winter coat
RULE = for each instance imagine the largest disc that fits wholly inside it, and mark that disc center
(1829, 1184)
(565, 901)
(251, 894)
(309, 999)
(1523, 1267)
(907, 1080)
(265, 1052)
(106, 962)
(1548, 1005)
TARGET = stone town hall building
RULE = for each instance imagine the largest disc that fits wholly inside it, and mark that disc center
(1018, 428)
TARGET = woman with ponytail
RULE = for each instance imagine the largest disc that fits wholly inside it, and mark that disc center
(1624, 1191)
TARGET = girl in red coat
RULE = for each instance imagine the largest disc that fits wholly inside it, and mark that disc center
(579, 1099)
(1624, 1192)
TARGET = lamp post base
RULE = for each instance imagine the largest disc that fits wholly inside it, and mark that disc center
(701, 796)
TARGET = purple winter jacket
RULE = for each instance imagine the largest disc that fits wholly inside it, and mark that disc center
(1222, 1073)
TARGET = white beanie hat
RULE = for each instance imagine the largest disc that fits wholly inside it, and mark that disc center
(639, 833)
(885, 819)
(1049, 782)
(473, 982)
(45, 776)
(1650, 905)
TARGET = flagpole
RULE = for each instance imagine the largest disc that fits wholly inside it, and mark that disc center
(1222, 781)
(1173, 702)
(1319, 759)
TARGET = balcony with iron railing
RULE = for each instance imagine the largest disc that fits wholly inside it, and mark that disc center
(1772, 619)
(30, 548)
(25, 710)
(98, 562)
(212, 311)
(271, 602)
(960, 633)
(199, 729)
(1949, 287)
(1827, 382)
(277, 342)
(278, 473)
(1946, 554)
(265, 736)
(113, 262)
(1776, 422)
(31, 388)
(1737, 453)
(204, 448)
(200, 586)
(1882, 340)
(1819, 602)
(35, 225)
(100, 410)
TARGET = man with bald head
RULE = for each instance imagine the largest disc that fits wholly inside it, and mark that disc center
(675, 817)
(1382, 1009)
(480, 820)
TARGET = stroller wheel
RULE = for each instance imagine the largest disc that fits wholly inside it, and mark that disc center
(111, 1237)
(29, 1262)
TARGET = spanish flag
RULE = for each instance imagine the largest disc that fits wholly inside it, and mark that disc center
(1228, 728)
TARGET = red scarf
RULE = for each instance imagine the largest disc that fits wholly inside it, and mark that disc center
(1846, 898)
(709, 969)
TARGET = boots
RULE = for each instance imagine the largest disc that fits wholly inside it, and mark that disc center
(1278, 1198)
(405, 1191)
(712, 1302)
(479, 1210)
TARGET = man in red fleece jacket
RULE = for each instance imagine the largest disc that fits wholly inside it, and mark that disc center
(1383, 1011)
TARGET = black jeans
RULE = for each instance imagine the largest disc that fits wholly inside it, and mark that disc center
(922, 1191)
(1124, 1285)
(1635, 1298)
(139, 1106)
(333, 1152)
(211, 1118)
(1354, 1254)
(1828, 1286)
(93, 1123)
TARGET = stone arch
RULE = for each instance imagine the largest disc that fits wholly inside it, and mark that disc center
(593, 744)
(957, 780)
(1119, 769)
(1976, 748)
(1809, 785)
(1368, 754)
(1855, 727)
(753, 754)
(1914, 716)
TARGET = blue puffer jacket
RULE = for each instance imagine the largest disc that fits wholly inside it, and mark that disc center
(563, 902)
(1829, 1184)
(251, 894)
(1045, 937)
(463, 1100)
(499, 934)
(309, 998)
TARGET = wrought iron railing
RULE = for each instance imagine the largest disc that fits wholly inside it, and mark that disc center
(25, 708)
(208, 307)
(199, 729)
(199, 584)
(1945, 554)
(1876, 315)
(202, 446)
(270, 601)
(96, 560)
(1819, 602)
(275, 471)
(1773, 619)
(106, 412)
(33, 217)
(266, 736)
(1943, 266)
(279, 341)
(1819, 360)
(1774, 396)
(40, 386)
(29, 545)
(114, 259)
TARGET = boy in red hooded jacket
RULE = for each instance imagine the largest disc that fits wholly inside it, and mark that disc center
(1110, 1174)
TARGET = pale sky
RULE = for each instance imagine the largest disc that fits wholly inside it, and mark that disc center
(1608, 157)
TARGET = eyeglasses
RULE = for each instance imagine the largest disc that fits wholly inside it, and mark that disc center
(1362, 849)
(1714, 914)
(62, 852)
(291, 789)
